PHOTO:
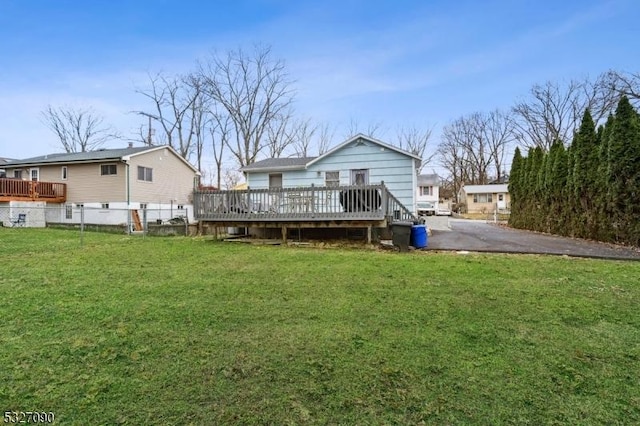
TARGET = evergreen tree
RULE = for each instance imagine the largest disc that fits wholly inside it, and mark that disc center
(603, 199)
(585, 169)
(533, 211)
(515, 178)
(557, 172)
(624, 173)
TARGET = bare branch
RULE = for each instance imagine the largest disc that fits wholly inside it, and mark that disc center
(79, 130)
(253, 90)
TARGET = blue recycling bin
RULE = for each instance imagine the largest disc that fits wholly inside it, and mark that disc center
(419, 236)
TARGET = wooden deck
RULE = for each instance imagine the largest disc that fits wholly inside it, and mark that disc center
(26, 190)
(364, 206)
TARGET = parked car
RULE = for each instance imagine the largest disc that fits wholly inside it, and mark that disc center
(426, 208)
(443, 211)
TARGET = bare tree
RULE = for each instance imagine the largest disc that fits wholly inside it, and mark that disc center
(325, 138)
(280, 134)
(553, 111)
(548, 115)
(373, 129)
(231, 178)
(453, 157)
(415, 141)
(303, 132)
(220, 130)
(173, 101)
(498, 129)
(623, 83)
(79, 130)
(254, 90)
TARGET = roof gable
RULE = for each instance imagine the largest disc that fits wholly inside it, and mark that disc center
(300, 163)
(362, 138)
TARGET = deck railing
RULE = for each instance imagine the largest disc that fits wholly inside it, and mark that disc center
(18, 190)
(363, 202)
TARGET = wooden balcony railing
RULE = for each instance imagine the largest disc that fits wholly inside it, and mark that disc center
(314, 203)
(26, 190)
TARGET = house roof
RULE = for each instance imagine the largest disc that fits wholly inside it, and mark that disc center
(276, 164)
(430, 180)
(368, 138)
(484, 189)
(100, 155)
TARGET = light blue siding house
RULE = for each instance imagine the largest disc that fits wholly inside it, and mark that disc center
(360, 160)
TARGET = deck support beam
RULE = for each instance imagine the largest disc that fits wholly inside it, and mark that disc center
(284, 234)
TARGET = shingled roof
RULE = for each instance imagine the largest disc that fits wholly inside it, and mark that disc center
(278, 164)
(81, 157)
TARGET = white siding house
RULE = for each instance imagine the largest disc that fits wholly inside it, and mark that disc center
(428, 190)
(358, 160)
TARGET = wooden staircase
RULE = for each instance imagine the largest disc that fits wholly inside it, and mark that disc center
(135, 217)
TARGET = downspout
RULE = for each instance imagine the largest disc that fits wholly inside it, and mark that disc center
(128, 191)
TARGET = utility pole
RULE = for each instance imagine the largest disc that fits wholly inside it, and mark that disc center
(149, 135)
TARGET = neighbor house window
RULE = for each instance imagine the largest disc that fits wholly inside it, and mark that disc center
(483, 198)
(105, 205)
(332, 178)
(17, 174)
(68, 211)
(426, 190)
(108, 169)
(64, 172)
(145, 174)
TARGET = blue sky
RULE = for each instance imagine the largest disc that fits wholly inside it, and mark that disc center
(396, 63)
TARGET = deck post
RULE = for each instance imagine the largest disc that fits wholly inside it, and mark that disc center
(284, 234)
(369, 234)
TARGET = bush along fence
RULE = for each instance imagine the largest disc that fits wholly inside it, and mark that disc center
(590, 189)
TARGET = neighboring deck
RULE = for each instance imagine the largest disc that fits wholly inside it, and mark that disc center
(26, 190)
(315, 206)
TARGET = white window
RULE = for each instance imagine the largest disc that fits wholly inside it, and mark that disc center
(145, 174)
(68, 211)
(35, 174)
(180, 207)
(332, 178)
(483, 198)
(105, 205)
(108, 169)
(17, 174)
(143, 206)
(64, 172)
(426, 190)
(360, 177)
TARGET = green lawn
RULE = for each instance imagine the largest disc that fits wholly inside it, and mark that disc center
(190, 331)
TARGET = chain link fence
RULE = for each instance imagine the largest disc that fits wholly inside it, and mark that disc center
(117, 220)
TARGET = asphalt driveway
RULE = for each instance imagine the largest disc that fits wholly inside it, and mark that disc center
(475, 235)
